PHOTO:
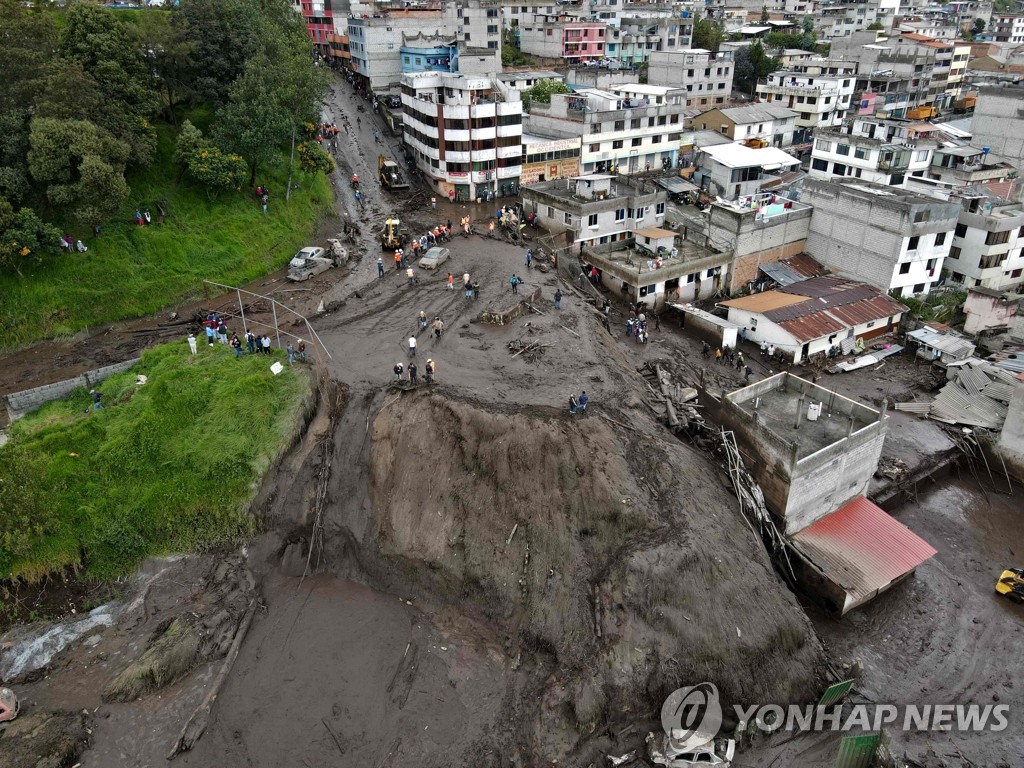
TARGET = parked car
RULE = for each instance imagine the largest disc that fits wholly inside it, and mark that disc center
(434, 258)
(717, 753)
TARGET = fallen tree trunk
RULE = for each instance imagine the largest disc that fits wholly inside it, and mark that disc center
(196, 725)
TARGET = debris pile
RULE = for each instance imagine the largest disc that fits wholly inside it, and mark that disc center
(532, 350)
(892, 468)
(977, 394)
(674, 403)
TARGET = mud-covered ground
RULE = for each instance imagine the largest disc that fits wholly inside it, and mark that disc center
(501, 584)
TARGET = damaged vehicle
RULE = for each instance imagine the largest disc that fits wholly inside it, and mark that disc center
(661, 751)
(311, 261)
(8, 705)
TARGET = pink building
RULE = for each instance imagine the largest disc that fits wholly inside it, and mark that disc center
(583, 40)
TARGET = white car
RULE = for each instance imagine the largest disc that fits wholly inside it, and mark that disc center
(434, 258)
(299, 259)
(718, 753)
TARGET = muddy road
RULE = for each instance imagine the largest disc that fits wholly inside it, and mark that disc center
(494, 583)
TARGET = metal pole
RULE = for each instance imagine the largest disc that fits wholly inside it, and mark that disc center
(241, 310)
(277, 331)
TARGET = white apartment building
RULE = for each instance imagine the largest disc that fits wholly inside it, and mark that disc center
(706, 76)
(632, 40)
(596, 209)
(628, 127)
(891, 238)
(881, 151)
(987, 242)
(842, 19)
(376, 38)
(820, 91)
(1007, 28)
(464, 134)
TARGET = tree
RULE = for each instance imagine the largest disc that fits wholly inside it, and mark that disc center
(750, 65)
(205, 163)
(80, 166)
(707, 34)
(314, 159)
(542, 91)
(23, 236)
(170, 52)
(223, 36)
(764, 14)
(109, 51)
(255, 122)
(808, 34)
(977, 27)
(875, 26)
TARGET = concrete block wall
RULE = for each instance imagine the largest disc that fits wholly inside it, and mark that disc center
(818, 487)
(20, 403)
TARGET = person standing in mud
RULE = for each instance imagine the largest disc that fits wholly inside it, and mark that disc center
(412, 373)
(398, 369)
(476, 290)
(412, 346)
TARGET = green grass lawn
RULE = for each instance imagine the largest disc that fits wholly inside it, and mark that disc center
(131, 271)
(170, 466)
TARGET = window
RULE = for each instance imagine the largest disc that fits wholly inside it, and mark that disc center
(921, 155)
(843, 149)
(940, 238)
(912, 243)
(635, 142)
(919, 288)
(920, 216)
(640, 212)
(620, 125)
(960, 231)
(551, 212)
(660, 209)
(824, 146)
(819, 165)
(492, 29)
(617, 144)
(954, 252)
(657, 140)
(567, 218)
(905, 268)
(997, 238)
(592, 220)
(634, 123)
(860, 154)
(620, 214)
(595, 147)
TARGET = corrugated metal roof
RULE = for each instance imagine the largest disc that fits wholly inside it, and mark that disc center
(805, 264)
(781, 273)
(811, 326)
(913, 407)
(953, 346)
(764, 302)
(999, 390)
(861, 548)
(867, 310)
(958, 406)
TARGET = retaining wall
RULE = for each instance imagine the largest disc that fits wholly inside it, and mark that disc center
(20, 403)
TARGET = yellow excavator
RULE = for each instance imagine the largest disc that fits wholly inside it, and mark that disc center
(391, 236)
(1011, 585)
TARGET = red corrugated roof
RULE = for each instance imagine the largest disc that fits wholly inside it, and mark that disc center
(868, 310)
(862, 549)
(812, 326)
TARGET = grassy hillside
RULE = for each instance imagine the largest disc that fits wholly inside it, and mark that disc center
(131, 271)
(169, 466)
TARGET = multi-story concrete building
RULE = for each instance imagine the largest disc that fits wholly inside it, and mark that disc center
(996, 123)
(987, 241)
(1007, 28)
(874, 149)
(891, 238)
(596, 209)
(320, 22)
(893, 76)
(761, 124)
(963, 166)
(706, 76)
(733, 171)
(560, 36)
(629, 127)
(820, 91)
(633, 40)
(549, 159)
(378, 34)
(839, 18)
(421, 52)
(463, 133)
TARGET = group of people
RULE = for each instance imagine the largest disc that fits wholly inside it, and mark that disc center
(636, 326)
(328, 133)
(69, 244)
(143, 218)
(578, 404)
(263, 195)
(216, 330)
(470, 286)
(412, 371)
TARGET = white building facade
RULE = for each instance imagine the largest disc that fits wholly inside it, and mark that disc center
(464, 135)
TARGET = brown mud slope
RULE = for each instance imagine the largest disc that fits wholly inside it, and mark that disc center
(625, 559)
